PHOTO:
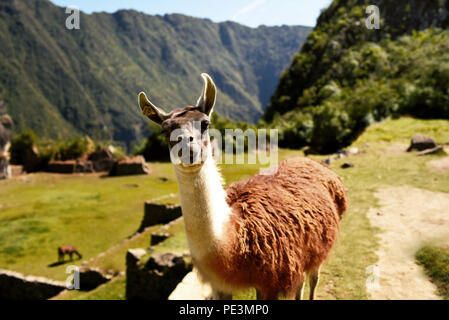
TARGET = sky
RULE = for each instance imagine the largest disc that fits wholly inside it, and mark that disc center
(248, 12)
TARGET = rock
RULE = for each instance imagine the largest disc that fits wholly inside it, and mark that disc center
(130, 166)
(434, 150)
(5, 139)
(341, 154)
(5, 132)
(5, 170)
(92, 278)
(157, 278)
(347, 165)
(31, 161)
(16, 286)
(191, 288)
(326, 161)
(159, 214)
(84, 167)
(353, 151)
(134, 255)
(420, 142)
(157, 238)
(103, 160)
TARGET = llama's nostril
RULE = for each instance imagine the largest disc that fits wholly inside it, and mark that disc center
(191, 139)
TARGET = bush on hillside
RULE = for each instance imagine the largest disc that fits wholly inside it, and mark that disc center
(21, 144)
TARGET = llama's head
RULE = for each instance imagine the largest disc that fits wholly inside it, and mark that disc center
(186, 128)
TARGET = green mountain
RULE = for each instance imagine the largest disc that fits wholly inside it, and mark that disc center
(347, 76)
(62, 82)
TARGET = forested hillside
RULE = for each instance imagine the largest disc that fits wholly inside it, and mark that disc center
(62, 82)
(347, 76)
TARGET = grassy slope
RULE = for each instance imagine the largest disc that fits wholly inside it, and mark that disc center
(343, 276)
(42, 211)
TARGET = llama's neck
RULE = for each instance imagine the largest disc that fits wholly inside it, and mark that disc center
(204, 207)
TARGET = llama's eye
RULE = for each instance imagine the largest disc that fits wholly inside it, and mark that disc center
(205, 124)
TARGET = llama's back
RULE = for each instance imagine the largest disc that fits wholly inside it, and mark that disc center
(286, 222)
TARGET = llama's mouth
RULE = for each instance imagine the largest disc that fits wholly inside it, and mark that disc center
(190, 165)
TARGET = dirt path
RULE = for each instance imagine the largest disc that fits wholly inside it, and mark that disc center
(409, 217)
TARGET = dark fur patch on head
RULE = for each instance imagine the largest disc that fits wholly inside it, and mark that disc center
(181, 116)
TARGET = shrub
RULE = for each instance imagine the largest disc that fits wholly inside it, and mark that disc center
(155, 147)
(21, 144)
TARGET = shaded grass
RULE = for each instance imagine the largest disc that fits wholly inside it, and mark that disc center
(435, 261)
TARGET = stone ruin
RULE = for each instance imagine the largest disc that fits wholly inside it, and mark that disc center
(155, 279)
(16, 286)
(130, 166)
(91, 278)
(5, 139)
(158, 214)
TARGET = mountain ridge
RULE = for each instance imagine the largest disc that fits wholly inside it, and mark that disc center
(63, 82)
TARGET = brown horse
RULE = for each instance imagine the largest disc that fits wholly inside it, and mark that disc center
(70, 250)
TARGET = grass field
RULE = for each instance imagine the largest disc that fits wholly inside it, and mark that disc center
(95, 214)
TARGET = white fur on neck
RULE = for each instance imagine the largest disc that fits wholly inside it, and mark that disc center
(204, 207)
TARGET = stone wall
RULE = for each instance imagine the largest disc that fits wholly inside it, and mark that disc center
(91, 278)
(130, 166)
(159, 214)
(16, 286)
(155, 279)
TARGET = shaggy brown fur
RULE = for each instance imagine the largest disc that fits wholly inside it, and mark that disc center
(286, 225)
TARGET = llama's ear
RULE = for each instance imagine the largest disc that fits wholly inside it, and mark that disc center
(207, 99)
(150, 110)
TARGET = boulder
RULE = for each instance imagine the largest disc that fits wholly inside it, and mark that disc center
(157, 278)
(16, 286)
(420, 142)
(130, 166)
(347, 165)
(159, 214)
(102, 160)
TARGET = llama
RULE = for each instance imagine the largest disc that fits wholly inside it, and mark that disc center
(69, 250)
(268, 232)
